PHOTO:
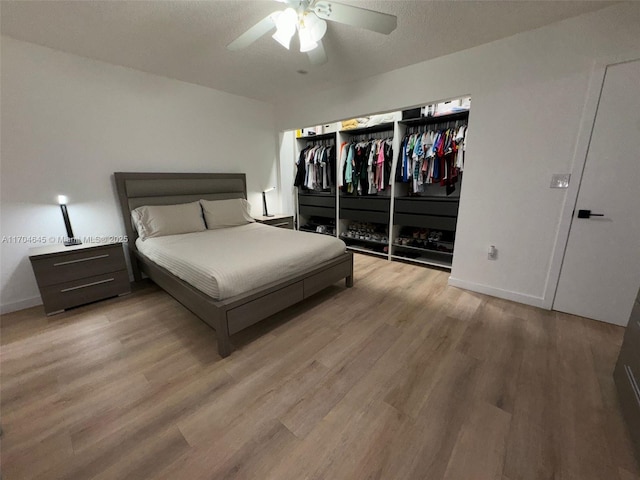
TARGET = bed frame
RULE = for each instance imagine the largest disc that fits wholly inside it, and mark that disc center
(233, 314)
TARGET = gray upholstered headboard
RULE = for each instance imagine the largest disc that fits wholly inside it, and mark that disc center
(138, 189)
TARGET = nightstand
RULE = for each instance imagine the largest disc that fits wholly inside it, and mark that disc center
(278, 220)
(72, 276)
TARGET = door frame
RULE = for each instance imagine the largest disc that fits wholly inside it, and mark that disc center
(580, 153)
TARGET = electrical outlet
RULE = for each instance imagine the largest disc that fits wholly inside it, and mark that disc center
(560, 180)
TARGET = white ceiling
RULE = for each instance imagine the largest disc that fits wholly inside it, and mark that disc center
(186, 40)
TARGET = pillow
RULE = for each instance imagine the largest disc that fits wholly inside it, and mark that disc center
(160, 220)
(226, 213)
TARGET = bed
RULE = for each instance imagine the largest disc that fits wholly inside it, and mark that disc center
(220, 305)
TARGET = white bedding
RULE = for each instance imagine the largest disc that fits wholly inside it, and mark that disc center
(226, 262)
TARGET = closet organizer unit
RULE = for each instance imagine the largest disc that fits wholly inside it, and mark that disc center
(427, 190)
(315, 182)
(365, 183)
(401, 204)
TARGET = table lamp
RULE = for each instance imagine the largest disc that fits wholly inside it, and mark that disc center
(265, 212)
(70, 240)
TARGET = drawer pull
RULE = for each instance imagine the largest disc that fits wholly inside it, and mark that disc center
(81, 260)
(285, 224)
(87, 285)
(632, 381)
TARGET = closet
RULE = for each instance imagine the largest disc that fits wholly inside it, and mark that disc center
(316, 183)
(397, 184)
(364, 187)
(429, 169)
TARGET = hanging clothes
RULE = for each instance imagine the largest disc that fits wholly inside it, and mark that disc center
(367, 166)
(316, 165)
(432, 157)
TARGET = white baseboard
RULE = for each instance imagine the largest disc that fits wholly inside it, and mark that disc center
(498, 292)
(20, 305)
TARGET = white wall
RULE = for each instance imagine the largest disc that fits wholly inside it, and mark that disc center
(68, 123)
(528, 93)
(287, 172)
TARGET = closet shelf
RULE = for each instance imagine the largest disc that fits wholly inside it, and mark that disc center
(322, 136)
(383, 127)
(452, 117)
(364, 241)
(430, 198)
(308, 230)
(423, 250)
(316, 193)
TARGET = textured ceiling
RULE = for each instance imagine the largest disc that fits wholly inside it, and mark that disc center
(186, 40)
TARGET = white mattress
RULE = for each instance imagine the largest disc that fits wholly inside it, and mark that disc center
(226, 262)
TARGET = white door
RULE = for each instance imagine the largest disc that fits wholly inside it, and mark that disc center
(600, 273)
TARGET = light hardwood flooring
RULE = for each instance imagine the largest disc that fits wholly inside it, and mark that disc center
(400, 377)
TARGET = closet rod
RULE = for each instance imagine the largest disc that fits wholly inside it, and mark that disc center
(325, 142)
(435, 127)
(364, 137)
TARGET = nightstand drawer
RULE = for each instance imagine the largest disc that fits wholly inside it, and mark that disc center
(56, 269)
(85, 290)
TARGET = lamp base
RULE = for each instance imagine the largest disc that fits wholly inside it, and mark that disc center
(268, 215)
(69, 242)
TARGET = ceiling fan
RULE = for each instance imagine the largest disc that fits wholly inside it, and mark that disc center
(307, 17)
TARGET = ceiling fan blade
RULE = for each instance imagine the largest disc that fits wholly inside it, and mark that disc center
(356, 16)
(261, 28)
(318, 55)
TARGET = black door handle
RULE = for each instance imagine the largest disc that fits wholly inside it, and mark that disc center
(588, 214)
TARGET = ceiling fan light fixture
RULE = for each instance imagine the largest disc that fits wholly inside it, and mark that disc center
(286, 27)
(306, 40)
(315, 25)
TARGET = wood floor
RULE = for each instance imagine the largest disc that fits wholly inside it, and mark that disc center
(400, 377)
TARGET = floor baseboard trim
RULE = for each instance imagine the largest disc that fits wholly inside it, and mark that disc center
(498, 292)
(20, 305)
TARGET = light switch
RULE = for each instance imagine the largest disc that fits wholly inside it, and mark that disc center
(560, 180)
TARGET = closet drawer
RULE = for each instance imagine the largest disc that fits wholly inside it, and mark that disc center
(308, 210)
(446, 208)
(626, 379)
(425, 221)
(317, 200)
(60, 268)
(365, 216)
(85, 290)
(378, 204)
